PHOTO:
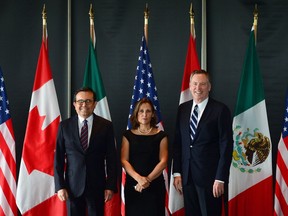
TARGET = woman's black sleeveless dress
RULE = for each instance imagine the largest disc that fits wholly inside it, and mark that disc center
(143, 156)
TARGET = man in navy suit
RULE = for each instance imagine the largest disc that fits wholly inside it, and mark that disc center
(85, 177)
(203, 152)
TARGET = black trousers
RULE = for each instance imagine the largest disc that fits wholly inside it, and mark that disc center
(199, 201)
(86, 205)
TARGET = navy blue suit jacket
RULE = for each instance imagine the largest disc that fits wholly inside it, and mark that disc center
(85, 170)
(211, 154)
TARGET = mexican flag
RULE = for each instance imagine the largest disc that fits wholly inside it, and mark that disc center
(93, 79)
(250, 184)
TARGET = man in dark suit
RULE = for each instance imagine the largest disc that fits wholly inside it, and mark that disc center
(85, 165)
(202, 149)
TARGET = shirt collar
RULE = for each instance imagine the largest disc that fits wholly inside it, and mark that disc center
(201, 107)
(89, 119)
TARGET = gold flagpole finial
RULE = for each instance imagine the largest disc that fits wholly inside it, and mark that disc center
(191, 12)
(92, 31)
(255, 13)
(44, 25)
(146, 17)
(255, 23)
(44, 14)
(146, 12)
(91, 14)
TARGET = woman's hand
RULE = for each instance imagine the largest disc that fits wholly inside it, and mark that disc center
(144, 182)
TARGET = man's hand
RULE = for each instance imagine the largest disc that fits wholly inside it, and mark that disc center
(108, 195)
(178, 184)
(218, 189)
(62, 194)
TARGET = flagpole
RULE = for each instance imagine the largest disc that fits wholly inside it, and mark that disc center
(69, 59)
(92, 32)
(192, 24)
(44, 25)
(146, 17)
(204, 37)
(255, 13)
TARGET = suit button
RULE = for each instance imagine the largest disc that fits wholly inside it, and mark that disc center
(191, 146)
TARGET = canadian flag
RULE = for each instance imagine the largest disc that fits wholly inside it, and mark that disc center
(176, 202)
(35, 191)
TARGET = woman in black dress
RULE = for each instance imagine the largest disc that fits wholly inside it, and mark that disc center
(144, 156)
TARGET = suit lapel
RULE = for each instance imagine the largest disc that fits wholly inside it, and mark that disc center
(75, 131)
(208, 109)
(95, 127)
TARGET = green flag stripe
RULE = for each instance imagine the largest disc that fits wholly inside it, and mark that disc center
(251, 89)
(92, 76)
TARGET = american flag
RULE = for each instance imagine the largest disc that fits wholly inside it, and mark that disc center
(281, 191)
(144, 86)
(7, 156)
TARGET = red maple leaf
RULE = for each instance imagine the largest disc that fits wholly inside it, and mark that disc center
(39, 145)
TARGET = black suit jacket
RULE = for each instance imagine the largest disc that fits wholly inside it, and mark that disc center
(211, 154)
(85, 170)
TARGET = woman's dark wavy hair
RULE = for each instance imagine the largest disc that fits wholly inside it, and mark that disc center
(134, 119)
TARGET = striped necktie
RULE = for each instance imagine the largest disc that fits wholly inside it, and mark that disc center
(193, 122)
(84, 136)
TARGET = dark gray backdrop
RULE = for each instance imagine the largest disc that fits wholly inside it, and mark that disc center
(119, 27)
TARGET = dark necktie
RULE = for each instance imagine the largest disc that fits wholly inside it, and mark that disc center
(193, 122)
(84, 136)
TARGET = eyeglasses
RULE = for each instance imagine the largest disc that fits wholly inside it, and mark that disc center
(87, 101)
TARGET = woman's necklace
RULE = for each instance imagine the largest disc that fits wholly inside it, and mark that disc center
(144, 132)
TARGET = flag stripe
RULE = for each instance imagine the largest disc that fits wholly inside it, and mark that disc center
(281, 184)
(44, 66)
(8, 179)
(92, 76)
(280, 205)
(250, 203)
(7, 195)
(280, 197)
(191, 64)
(1, 209)
(7, 136)
(251, 79)
(7, 150)
(102, 109)
(7, 155)
(281, 190)
(123, 181)
(282, 170)
(277, 207)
